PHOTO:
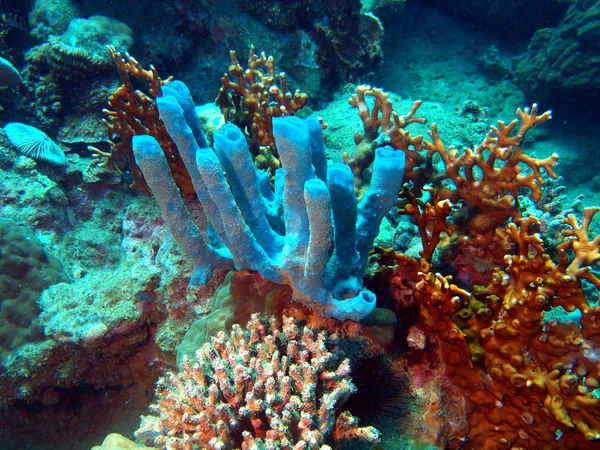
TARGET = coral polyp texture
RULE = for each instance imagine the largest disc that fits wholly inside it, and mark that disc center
(529, 380)
(268, 386)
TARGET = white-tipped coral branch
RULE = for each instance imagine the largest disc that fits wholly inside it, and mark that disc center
(269, 386)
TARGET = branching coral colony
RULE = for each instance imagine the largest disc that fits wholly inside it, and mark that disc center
(527, 379)
(132, 112)
(268, 386)
(253, 99)
(251, 103)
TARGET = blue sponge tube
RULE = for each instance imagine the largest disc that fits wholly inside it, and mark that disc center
(232, 150)
(151, 160)
(386, 181)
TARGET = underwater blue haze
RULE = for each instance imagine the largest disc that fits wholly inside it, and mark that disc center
(343, 224)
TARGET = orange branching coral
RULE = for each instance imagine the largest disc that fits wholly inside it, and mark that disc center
(254, 99)
(586, 252)
(132, 113)
(431, 221)
(489, 177)
(533, 381)
(547, 370)
(382, 126)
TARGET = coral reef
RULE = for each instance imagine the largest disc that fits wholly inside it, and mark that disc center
(282, 15)
(244, 293)
(33, 198)
(86, 39)
(525, 380)
(486, 179)
(82, 129)
(537, 377)
(107, 316)
(387, 11)
(269, 385)
(465, 300)
(193, 16)
(241, 295)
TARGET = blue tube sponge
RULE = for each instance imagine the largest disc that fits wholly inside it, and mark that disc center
(232, 150)
(319, 243)
(377, 201)
(153, 164)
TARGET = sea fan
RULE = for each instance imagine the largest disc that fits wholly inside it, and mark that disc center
(34, 143)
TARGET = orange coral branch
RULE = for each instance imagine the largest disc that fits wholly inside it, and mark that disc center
(253, 101)
(496, 187)
(132, 113)
(586, 252)
(431, 222)
(382, 126)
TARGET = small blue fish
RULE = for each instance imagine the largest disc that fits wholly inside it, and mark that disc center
(14, 21)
